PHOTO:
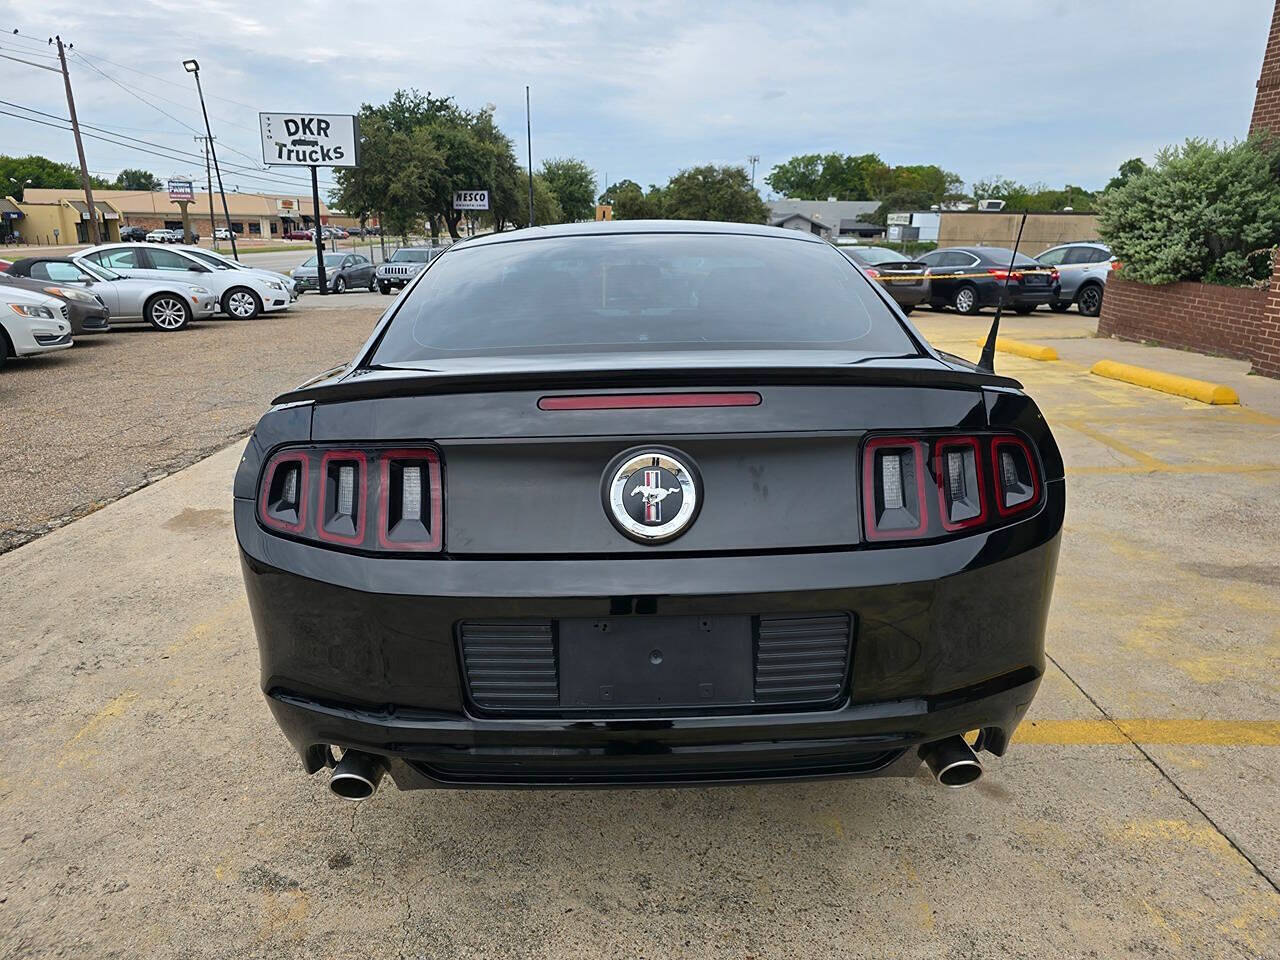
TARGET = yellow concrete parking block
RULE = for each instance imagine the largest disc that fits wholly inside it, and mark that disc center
(1032, 351)
(1201, 390)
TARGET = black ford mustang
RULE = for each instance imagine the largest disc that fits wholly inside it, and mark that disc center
(648, 503)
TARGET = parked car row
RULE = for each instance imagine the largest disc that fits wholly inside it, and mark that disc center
(326, 233)
(46, 301)
(967, 279)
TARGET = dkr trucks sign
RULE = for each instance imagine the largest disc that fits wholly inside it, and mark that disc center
(309, 139)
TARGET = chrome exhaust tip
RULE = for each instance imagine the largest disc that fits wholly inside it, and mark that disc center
(357, 775)
(952, 762)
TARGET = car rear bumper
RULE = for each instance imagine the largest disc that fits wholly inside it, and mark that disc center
(363, 653)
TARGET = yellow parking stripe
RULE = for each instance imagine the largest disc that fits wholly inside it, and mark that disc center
(1164, 732)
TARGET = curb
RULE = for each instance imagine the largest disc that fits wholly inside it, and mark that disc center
(1032, 351)
(1201, 390)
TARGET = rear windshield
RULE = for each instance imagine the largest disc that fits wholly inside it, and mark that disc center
(640, 292)
(874, 256)
(412, 256)
(1002, 255)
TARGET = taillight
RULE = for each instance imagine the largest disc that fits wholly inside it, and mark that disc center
(1054, 276)
(893, 471)
(409, 500)
(1115, 264)
(871, 272)
(366, 498)
(964, 474)
(962, 496)
(282, 501)
(1017, 482)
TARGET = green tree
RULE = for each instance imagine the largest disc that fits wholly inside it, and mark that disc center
(713, 193)
(814, 176)
(417, 152)
(1036, 198)
(1128, 170)
(134, 179)
(1203, 211)
(574, 186)
(630, 202)
(394, 179)
(614, 189)
(41, 171)
(546, 208)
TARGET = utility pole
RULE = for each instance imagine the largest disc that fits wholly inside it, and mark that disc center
(754, 158)
(191, 66)
(94, 236)
(208, 184)
(529, 136)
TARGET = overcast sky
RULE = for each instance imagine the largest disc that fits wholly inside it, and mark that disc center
(1055, 91)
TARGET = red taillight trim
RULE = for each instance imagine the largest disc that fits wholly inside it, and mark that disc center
(869, 490)
(1009, 440)
(304, 488)
(435, 489)
(361, 497)
(640, 401)
(940, 480)
(872, 272)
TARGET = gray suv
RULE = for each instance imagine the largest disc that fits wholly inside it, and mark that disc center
(1083, 269)
(402, 266)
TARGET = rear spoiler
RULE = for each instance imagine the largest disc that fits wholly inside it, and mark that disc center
(370, 383)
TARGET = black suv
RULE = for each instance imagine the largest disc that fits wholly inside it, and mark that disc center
(133, 234)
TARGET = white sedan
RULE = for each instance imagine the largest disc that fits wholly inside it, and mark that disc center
(241, 294)
(31, 323)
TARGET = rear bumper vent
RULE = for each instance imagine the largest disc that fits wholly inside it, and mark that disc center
(511, 664)
(801, 659)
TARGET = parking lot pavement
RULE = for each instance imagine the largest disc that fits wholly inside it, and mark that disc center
(152, 808)
(84, 425)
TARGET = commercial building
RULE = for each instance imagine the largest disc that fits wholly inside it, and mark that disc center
(828, 219)
(49, 216)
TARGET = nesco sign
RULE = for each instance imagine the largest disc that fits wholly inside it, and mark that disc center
(471, 199)
(309, 139)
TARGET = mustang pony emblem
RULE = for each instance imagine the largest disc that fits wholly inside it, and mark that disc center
(653, 493)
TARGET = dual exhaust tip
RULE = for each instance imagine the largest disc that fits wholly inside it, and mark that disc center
(952, 762)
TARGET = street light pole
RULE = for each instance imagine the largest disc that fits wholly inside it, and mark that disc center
(754, 158)
(193, 67)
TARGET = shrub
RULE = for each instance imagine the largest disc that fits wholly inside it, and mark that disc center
(1203, 211)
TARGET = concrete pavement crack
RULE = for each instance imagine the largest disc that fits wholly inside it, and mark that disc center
(1167, 776)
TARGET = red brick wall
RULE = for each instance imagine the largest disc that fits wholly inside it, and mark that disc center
(1266, 106)
(1238, 322)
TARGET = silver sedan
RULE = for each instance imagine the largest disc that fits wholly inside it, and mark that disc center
(165, 304)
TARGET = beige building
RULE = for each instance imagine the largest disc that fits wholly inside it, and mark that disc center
(972, 228)
(263, 215)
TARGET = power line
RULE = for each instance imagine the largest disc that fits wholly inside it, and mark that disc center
(132, 92)
(173, 154)
(174, 83)
(247, 173)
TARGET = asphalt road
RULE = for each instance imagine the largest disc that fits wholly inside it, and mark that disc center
(151, 808)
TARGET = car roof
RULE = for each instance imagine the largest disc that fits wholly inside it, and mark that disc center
(620, 227)
(1078, 243)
